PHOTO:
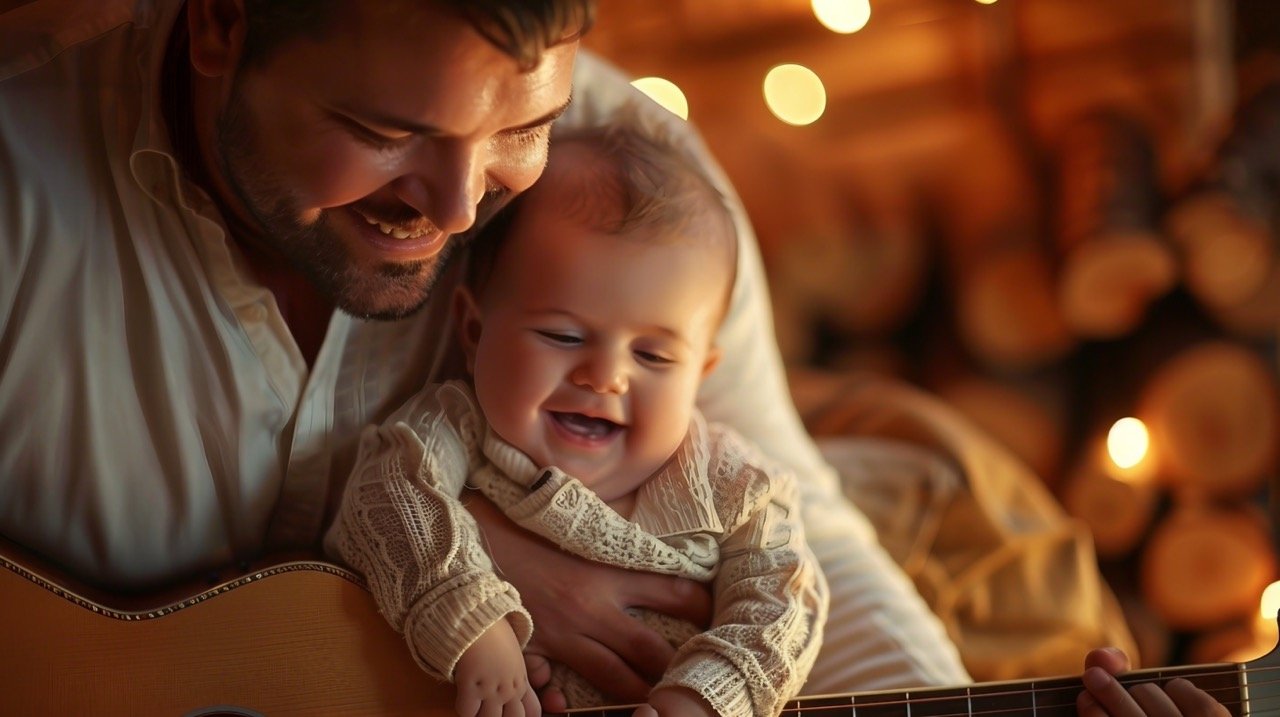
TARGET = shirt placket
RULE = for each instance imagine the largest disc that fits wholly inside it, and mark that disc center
(299, 514)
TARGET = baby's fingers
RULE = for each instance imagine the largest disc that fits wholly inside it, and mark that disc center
(467, 702)
(513, 708)
(529, 700)
(645, 711)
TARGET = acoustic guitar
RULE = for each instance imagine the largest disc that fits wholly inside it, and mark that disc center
(304, 638)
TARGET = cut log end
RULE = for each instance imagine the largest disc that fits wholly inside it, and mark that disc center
(1105, 287)
(1118, 512)
(1213, 416)
(1228, 254)
(1008, 314)
(1203, 567)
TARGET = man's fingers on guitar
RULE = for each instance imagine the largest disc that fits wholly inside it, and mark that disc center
(1087, 706)
(1110, 659)
(1152, 699)
(1110, 694)
(1193, 701)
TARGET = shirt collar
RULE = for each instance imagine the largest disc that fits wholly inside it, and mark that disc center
(152, 159)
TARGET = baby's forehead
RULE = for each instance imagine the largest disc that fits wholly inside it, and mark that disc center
(630, 189)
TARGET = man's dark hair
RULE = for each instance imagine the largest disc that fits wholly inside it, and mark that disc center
(523, 29)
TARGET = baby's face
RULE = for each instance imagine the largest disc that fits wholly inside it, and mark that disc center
(591, 347)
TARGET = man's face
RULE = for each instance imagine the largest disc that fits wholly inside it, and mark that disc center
(361, 154)
(587, 349)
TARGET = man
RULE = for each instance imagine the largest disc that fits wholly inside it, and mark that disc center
(225, 226)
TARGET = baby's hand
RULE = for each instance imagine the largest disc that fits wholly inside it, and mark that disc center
(490, 677)
(674, 702)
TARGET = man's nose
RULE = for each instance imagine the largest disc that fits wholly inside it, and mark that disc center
(602, 372)
(445, 184)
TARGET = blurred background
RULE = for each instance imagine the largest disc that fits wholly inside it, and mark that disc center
(1056, 215)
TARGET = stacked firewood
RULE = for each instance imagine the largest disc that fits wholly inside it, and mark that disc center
(1106, 295)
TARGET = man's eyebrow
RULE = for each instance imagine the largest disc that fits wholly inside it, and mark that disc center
(378, 119)
(548, 118)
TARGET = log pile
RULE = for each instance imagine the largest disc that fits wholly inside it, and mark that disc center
(1130, 298)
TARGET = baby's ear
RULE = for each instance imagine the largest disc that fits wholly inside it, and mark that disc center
(713, 360)
(466, 315)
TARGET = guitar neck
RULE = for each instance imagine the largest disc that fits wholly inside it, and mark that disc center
(1053, 697)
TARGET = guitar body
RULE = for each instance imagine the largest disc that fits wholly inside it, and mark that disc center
(305, 638)
(301, 638)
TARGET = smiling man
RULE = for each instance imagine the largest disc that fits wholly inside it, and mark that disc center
(349, 160)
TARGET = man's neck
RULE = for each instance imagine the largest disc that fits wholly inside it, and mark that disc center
(306, 312)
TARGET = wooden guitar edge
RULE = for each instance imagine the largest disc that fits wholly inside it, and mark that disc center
(99, 607)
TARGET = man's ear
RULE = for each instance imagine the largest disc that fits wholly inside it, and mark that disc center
(217, 29)
(466, 314)
(713, 360)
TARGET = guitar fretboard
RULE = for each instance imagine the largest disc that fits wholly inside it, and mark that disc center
(1054, 697)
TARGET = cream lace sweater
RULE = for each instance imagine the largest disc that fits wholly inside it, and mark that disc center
(718, 513)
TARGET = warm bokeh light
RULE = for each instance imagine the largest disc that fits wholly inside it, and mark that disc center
(1128, 442)
(1271, 601)
(842, 16)
(987, 2)
(795, 94)
(664, 92)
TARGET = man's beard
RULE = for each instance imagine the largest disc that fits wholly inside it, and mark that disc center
(387, 291)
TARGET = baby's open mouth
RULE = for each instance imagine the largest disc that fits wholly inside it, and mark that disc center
(586, 426)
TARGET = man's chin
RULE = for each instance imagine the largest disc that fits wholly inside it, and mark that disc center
(383, 305)
(383, 291)
(383, 296)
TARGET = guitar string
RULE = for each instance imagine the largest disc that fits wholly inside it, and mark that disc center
(1072, 689)
(1255, 704)
(1255, 707)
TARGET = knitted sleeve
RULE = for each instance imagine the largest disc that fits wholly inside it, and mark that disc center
(770, 598)
(402, 526)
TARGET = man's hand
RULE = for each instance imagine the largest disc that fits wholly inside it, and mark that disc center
(578, 610)
(490, 677)
(1105, 696)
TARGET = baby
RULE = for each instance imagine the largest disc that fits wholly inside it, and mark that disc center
(588, 323)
